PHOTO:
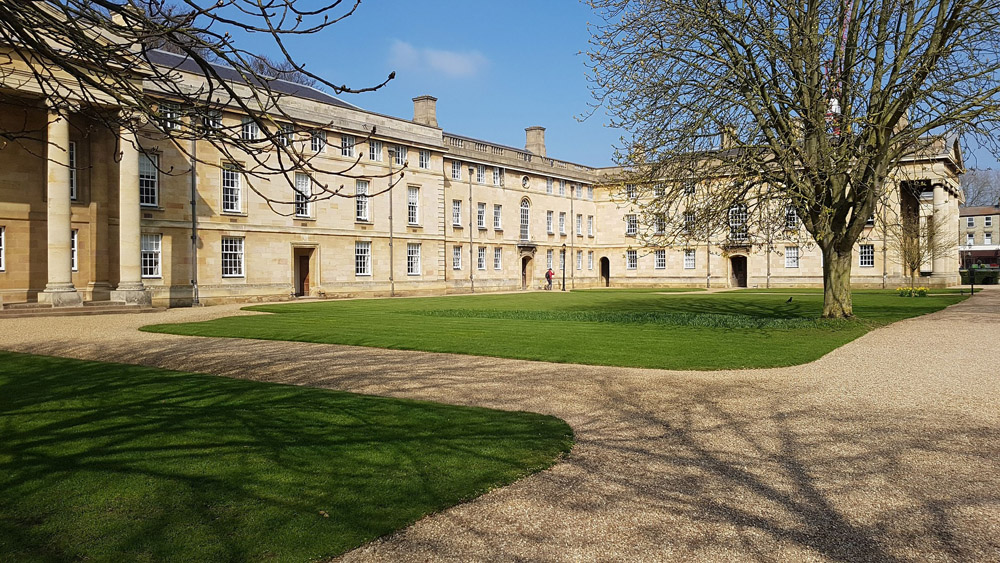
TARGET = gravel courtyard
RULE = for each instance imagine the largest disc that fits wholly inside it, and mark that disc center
(885, 449)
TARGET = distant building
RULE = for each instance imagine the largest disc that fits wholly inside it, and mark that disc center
(979, 228)
(85, 226)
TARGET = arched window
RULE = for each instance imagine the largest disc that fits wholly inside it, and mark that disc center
(738, 222)
(525, 216)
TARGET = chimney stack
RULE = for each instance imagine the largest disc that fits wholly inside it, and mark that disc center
(535, 140)
(728, 137)
(425, 110)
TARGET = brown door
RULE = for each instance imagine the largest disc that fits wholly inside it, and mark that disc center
(525, 268)
(739, 267)
(303, 288)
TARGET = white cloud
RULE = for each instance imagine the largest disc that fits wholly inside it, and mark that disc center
(406, 57)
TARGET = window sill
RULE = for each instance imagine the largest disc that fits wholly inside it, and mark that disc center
(225, 277)
(152, 277)
(457, 226)
(497, 230)
(302, 218)
(363, 222)
(362, 275)
(483, 229)
(233, 213)
(149, 207)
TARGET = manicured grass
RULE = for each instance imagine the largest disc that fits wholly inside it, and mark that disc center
(109, 462)
(627, 328)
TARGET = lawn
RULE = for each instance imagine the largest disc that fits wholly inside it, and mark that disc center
(702, 331)
(111, 462)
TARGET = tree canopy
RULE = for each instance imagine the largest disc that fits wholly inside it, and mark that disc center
(811, 103)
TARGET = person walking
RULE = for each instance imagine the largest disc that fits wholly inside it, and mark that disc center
(548, 280)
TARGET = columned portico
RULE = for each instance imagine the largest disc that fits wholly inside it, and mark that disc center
(130, 288)
(59, 290)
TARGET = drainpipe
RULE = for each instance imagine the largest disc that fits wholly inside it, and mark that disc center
(572, 237)
(392, 260)
(194, 224)
(472, 280)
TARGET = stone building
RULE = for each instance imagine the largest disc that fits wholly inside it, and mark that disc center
(88, 214)
(979, 228)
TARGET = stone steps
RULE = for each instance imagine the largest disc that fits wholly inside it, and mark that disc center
(20, 310)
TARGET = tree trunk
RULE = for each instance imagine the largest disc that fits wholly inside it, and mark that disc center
(837, 284)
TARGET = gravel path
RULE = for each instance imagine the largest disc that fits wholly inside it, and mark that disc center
(885, 449)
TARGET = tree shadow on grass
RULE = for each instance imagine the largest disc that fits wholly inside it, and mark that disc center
(123, 462)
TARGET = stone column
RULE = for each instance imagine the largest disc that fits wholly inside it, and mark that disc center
(940, 264)
(59, 291)
(130, 288)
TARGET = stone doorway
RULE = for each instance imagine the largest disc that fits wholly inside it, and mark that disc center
(525, 272)
(606, 271)
(738, 271)
(303, 271)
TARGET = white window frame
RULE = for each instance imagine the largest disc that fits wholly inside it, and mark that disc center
(549, 215)
(970, 239)
(456, 257)
(590, 226)
(987, 221)
(285, 135)
(497, 176)
(562, 260)
(302, 193)
(497, 217)
(792, 218)
(72, 171)
(249, 130)
(480, 173)
(317, 142)
(481, 258)
(791, 257)
(498, 258)
(151, 248)
(988, 238)
(631, 225)
(481, 214)
(456, 170)
(347, 145)
(689, 259)
(149, 180)
(400, 156)
(970, 222)
(631, 259)
(590, 259)
(235, 262)
(866, 256)
(548, 258)
(525, 216)
(562, 187)
(362, 258)
(362, 203)
(375, 150)
(590, 193)
(631, 192)
(579, 260)
(413, 258)
(74, 250)
(660, 259)
(548, 186)
(456, 213)
(579, 224)
(689, 219)
(412, 205)
(562, 222)
(424, 159)
(660, 223)
(3, 247)
(170, 116)
(235, 186)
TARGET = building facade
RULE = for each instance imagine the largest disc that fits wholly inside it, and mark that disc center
(87, 214)
(979, 228)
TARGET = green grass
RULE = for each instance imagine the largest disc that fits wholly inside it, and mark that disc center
(619, 328)
(109, 462)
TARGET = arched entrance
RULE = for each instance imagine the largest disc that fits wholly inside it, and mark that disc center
(738, 271)
(606, 271)
(525, 272)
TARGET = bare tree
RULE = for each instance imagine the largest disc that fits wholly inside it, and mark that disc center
(916, 241)
(816, 103)
(982, 187)
(111, 62)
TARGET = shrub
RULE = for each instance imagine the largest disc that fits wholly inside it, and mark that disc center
(912, 292)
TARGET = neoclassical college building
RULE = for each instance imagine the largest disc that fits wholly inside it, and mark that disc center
(78, 224)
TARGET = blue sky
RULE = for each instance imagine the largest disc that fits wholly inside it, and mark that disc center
(495, 68)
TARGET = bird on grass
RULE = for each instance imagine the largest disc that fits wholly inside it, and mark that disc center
(789, 300)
